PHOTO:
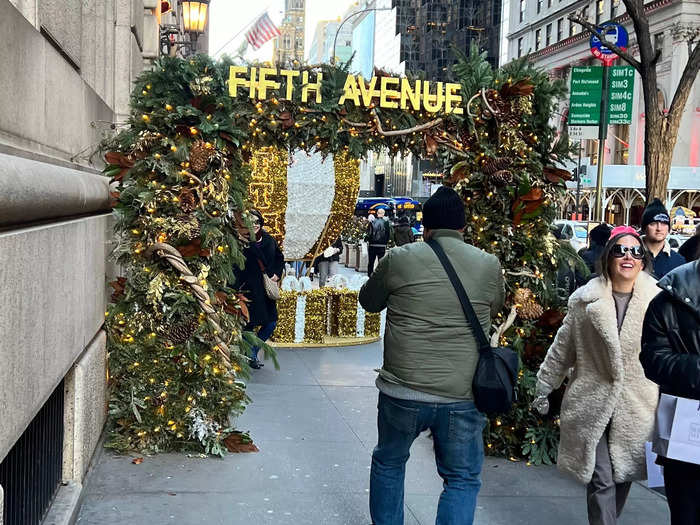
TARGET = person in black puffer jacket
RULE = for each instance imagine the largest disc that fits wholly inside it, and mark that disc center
(671, 358)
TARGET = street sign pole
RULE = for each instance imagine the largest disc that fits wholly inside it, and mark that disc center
(616, 34)
(602, 137)
(578, 184)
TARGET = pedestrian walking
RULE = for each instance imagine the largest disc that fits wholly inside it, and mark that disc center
(608, 409)
(598, 238)
(378, 235)
(656, 225)
(327, 262)
(671, 358)
(430, 355)
(403, 234)
(690, 249)
(262, 256)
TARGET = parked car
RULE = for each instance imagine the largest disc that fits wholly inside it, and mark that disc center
(574, 232)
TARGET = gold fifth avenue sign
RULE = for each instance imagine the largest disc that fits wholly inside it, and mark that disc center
(392, 92)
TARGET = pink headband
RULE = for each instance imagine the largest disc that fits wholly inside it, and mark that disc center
(628, 230)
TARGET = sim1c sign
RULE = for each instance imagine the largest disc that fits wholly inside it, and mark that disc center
(612, 33)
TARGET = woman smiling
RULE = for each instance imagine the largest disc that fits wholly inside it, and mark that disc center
(608, 409)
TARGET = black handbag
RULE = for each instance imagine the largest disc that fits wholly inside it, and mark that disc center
(495, 379)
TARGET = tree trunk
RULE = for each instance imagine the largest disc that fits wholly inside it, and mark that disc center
(658, 154)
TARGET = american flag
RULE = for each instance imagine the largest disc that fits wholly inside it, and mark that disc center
(262, 31)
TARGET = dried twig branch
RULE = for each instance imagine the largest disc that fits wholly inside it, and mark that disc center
(496, 337)
(397, 132)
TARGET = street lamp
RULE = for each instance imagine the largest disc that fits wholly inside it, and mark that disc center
(337, 32)
(194, 19)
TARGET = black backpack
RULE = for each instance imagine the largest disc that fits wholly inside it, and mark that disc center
(379, 232)
(495, 380)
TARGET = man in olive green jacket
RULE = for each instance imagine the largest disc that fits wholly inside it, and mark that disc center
(430, 355)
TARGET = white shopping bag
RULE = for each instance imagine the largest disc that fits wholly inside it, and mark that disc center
(655, 473)
(664, 422)
(684, 443)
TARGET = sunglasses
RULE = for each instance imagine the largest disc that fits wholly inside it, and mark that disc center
(619, 251)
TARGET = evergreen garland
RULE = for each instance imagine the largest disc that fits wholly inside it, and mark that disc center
(177, 350)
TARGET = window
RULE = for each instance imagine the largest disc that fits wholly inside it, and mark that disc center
(585, 13)
(520, 47)
(600, 6)
(523, 5)
(573, 28)
(560, 30)
(538, 39)
(549, 34)
(659, 44)
(287, 42)
(549, 3)
(539, 6)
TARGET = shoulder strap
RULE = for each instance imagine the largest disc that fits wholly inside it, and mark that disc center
(462, 295)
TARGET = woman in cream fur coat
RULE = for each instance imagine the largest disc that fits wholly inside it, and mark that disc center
(608, 409)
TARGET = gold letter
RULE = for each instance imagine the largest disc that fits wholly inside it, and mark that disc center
(452, 96)
(289, 74)
(367, 93)
(254, 86)
(387, 93)
(264, 83)
(432, 103)
(407, 94)
(350, 91)
(306, 86)
(234, 81)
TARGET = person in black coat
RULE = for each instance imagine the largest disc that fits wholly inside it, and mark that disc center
(691, 248)
(403, 233)
(261, 255)
(671, 358)
(598, 239)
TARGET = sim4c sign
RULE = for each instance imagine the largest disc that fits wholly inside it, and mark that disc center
(612, 33)
(620, 94)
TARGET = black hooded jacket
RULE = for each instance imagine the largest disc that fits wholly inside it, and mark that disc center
(671, 335)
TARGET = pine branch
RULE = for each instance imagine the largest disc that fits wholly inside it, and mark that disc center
(594, 31)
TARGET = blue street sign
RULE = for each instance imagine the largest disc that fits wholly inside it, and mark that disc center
(612, 33)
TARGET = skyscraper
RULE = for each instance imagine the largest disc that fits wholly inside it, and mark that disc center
(429, 29)
(322, 43)
(289, 46)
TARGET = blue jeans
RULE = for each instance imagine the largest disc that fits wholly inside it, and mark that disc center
(459, 454)
(263, 334)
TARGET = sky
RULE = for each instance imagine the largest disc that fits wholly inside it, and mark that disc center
(228, 17)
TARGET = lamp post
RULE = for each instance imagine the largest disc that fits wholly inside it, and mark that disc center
(352, 15)
(194, 19)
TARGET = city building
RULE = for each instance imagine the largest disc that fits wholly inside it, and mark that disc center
(541, 29)
(321, 49)
(289, 46)
(68, 69)
(430, 28)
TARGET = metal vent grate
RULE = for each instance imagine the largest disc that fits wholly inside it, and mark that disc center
(31, 472)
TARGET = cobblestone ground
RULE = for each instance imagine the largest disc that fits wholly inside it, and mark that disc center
(315, 423)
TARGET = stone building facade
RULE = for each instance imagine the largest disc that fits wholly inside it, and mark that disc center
(68, 68)
(289, 46)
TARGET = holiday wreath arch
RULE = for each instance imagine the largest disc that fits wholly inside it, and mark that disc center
(181, 168)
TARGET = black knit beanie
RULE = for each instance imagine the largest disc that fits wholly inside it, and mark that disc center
(655, 212)
(444, 210)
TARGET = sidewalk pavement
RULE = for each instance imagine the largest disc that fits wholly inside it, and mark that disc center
(315, 423)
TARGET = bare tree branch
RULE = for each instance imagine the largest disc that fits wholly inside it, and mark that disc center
(685, 84)
(594, 31)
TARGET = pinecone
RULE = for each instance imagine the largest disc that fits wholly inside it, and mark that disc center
(200, 155)
(502, 177)
(181, 332)
(527, 305)
(491, 166)
(531, 311)
(188, 202)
